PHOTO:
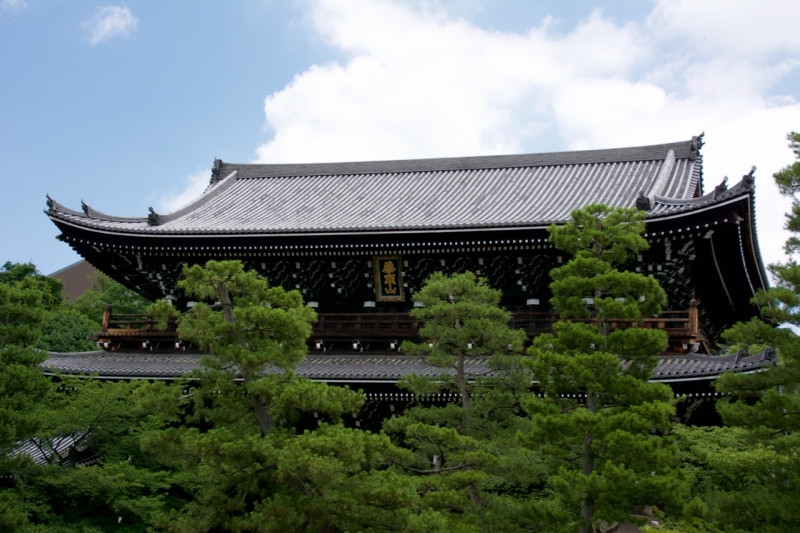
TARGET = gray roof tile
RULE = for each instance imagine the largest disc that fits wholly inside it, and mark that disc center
(468, 192)
(355, 368)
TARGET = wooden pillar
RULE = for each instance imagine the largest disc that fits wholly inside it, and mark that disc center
(106, 318)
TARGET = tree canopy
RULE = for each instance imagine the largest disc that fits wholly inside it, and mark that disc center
(762, 490)
(466, 455)
(597, 414)
(264, 464)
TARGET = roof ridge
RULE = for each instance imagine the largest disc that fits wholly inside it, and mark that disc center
(682, 149)
(62, 269)
(94, 213)
(214, 189)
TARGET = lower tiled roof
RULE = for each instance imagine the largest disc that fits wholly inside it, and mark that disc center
(684, 367)
(362, 368)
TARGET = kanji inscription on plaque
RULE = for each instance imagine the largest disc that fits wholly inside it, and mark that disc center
(388, 278)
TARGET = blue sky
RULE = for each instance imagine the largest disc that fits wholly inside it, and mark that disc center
(126, 105)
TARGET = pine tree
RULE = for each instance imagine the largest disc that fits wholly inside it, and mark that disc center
(466, 454)
(597, 413)
(240, 447)
(767, 404)
(22, 383)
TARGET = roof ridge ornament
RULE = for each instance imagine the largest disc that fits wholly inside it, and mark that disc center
(749, 179)
(697, 143)
(770, 354)
(643, 202)
(50, 202)
(153, 219)
(721, 188)
(84, 207)
(216, 168)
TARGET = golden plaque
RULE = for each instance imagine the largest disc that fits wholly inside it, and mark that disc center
(388, 278)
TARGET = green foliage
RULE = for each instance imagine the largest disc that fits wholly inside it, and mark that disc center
(66, 330)
(25, 276)
(258, 325)
(242, 459)
(105, 291)
(94, 414)
(43, 320)
(606, 234)
(466, 458)
(460, 310)
(21, 380)
(163, 312)
(742, 483)
(599, 420)
(690, 524)
(59, 326)
(21, 386)
(753, 466)
(788, 180)
(121, 489)
(20, 315)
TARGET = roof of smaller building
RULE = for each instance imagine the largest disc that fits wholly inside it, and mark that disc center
(525, 190)
(77, 278)
(362, 368)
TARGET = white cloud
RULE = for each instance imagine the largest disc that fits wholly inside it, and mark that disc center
(419, 83)
(108, 22)
(13, 6)
(194, 187)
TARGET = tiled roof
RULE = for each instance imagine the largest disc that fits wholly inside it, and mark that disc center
(470, 192)
(683, 367)
(355, 368)
(43, 450)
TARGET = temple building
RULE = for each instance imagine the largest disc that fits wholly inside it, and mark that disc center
(359, 239)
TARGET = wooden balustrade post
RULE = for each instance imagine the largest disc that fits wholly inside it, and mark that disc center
(693, 325)
(106, 318)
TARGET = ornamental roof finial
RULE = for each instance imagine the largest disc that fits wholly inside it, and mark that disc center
(643, 202)
(749, 179)
(215, 170)
(153, 219)
(697, 143)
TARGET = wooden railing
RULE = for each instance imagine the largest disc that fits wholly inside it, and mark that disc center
(674, 322)
(681, 326)
(133, 325)
(532, 322)
(355, 325)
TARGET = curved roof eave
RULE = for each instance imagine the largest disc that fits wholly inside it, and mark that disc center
(361, 368)
(686, 209)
